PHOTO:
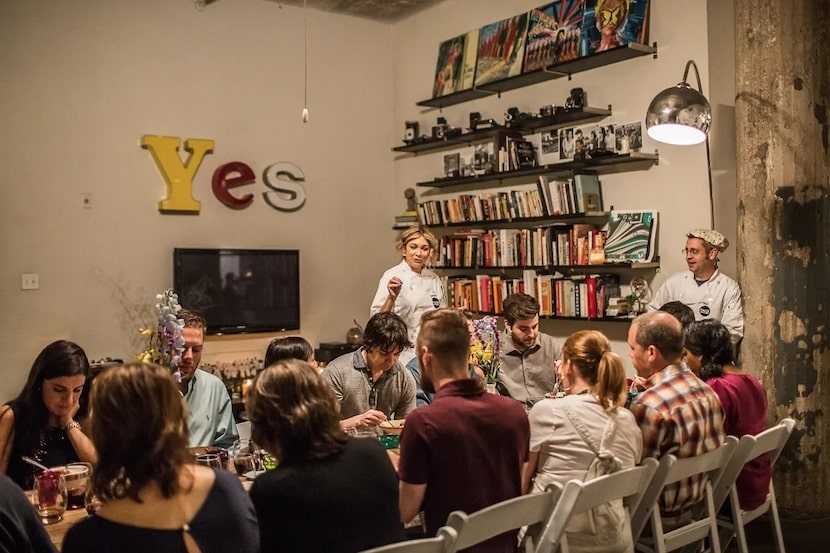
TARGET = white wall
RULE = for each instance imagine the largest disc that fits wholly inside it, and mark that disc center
(677, 187)
(83, 80)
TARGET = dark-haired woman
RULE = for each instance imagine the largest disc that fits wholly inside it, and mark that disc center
(329, 493)
(710, 355)
(42, 422)
(155, 498)
(584, 435)
(290, 347)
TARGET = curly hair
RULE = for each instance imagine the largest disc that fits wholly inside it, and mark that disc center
(193, 320)
(710, 339)
(591, 355)
(294, 413)
(139, 428)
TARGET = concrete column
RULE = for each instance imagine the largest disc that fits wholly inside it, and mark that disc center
(782, 54)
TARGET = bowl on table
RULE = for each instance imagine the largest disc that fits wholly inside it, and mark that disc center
(394, 426)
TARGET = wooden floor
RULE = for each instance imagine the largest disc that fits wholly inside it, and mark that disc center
(799, 536)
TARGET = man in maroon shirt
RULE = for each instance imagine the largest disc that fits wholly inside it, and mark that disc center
(466, 450)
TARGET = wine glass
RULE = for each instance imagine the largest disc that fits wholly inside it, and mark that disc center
(49, 496)
(209, 460)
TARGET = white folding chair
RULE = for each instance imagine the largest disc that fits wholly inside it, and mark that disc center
(702, 523)
(531, 510)
(770, 442)
(443, 542)
(579, 497)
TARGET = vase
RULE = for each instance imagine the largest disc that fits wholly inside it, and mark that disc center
(490, 388)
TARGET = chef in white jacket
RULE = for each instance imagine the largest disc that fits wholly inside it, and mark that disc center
(710, 293)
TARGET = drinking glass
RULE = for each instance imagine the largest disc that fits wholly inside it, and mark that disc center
(91, 502)
(243, 462)
(49, 496)
(209, 460)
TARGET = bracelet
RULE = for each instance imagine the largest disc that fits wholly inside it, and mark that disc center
(71, 425)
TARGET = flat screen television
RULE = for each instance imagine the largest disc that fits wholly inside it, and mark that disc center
(239, 291)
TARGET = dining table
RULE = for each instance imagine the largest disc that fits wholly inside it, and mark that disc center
(57, 530)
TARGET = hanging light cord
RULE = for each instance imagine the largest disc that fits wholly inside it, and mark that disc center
(305, 63)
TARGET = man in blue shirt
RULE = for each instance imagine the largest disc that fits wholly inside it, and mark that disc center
(211, 421)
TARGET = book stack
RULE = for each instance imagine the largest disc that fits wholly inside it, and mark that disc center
(406, 220)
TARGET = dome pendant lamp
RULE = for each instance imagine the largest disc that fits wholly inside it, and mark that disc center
(680, 114)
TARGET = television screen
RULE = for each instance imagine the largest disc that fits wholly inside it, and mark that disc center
(240, 291)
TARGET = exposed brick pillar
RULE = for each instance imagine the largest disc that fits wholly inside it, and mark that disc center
(783, 142)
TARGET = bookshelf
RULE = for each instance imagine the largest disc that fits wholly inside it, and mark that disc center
(555, 71)
(506, 240)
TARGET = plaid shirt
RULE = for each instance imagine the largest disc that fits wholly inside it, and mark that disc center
(679, 414)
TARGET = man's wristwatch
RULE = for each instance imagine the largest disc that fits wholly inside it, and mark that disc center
(71, 425)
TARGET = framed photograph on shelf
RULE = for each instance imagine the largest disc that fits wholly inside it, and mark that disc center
(452, 165)
(549, 151)
(501, 47)
(566, 143)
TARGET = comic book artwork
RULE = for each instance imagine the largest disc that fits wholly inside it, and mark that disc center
(450, 67)
(469, 70)
(541, 38)
(608, 24)
(568, 16)
(501, 47)
(631, 236)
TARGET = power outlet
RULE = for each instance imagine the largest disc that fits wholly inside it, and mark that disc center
(30, 281)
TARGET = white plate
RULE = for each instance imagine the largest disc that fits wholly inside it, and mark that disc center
(251, 474)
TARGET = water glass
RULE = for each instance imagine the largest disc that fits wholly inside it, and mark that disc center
(49, 496)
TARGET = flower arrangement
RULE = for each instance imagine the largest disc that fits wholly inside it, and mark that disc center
(165, 343)
(486, 347)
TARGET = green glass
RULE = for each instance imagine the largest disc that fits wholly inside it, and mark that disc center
(390, 441)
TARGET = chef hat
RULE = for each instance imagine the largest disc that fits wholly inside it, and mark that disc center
(711, 237)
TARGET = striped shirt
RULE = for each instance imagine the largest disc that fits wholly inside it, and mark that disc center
(679, 414)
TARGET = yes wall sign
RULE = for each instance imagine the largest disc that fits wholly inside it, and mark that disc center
(283, 179)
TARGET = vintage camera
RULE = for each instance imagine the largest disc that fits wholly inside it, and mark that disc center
(477, 123)
(576, 101)
(546, 111)
(411, 132)
(440, 129)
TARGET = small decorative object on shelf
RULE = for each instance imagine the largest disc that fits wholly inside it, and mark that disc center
(576, 101)
(412, 132)
(410, 216)
(354, 336)
(485, 349)
(165, 343)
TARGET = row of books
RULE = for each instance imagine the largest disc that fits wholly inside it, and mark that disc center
(574, 196)
(495, 248)
(538, 247)
(584, 296)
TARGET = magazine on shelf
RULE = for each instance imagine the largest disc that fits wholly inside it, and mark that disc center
(631, 236)
(614, 24)
(501, 47)
(450, 66)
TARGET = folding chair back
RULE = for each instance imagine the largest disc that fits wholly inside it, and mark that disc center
(527, 510)
(703, 523)
(579, 497)
(641, 513)
(444, 542)
(770, 442)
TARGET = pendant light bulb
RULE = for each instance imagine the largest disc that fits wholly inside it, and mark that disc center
(305, 115)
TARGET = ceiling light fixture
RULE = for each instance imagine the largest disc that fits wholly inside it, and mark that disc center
(305, 63)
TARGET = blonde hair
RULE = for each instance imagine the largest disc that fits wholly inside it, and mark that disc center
(590, 353)
(413, 233)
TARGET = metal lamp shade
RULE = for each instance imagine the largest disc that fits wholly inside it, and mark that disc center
(679, 115)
